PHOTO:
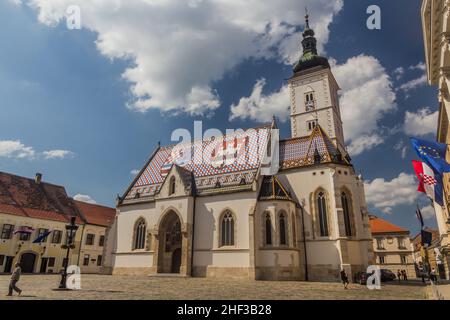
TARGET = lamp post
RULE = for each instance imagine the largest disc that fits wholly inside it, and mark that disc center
(71, 230)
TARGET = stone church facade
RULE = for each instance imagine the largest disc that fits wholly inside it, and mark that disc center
(306, 222)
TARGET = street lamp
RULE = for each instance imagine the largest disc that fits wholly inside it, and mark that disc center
(71, 230)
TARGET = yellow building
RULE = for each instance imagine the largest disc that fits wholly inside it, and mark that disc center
(30, 208)
(392, 247)
(436, 31)
(94, 251)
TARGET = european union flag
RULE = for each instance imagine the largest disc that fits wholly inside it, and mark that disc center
(42, 237)
(432, 153)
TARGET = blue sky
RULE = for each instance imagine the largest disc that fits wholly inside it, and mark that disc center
(69, 112)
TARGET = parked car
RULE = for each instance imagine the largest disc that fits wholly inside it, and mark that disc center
(387, 275)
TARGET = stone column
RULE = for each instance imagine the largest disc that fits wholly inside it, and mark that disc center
(186, 250)
(252, 242)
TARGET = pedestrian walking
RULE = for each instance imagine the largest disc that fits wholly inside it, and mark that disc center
(399, 275)
(433, 275)
(344, 278)
(405, 276)
(15, 277)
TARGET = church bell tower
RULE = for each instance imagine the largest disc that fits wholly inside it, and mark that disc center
(314, 94)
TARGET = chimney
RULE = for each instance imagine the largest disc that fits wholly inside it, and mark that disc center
(38, 178)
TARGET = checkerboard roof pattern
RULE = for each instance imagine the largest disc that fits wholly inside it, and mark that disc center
(293, 153)
(248, 147)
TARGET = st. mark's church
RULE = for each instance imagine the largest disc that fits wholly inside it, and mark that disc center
(306, 222)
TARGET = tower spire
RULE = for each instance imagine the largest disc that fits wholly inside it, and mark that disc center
(306, 18)
(310, 57)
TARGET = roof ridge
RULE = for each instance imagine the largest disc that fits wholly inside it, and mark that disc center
(31, 179)
(92, 204)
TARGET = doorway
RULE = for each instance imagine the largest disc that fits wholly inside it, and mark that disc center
(176, 261)
(170, 245)
(44, 263)
(8, 264)
(27, 262)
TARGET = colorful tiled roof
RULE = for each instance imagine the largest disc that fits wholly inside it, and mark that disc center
(24, 197)
(96, 214)
(249, 148)
(208, 174)
(380, 226)
(299, 152)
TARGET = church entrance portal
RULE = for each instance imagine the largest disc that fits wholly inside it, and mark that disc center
(170, 244)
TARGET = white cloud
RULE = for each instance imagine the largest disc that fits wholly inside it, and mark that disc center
(399, 72)
(16, 2)
(400, 146)
(413, 84)
(420, 66)
(261, 107)
(367, 96)
(84, 198)
(428, 213)
(421, 123)
(134, 172)
(15, 149)
(362, 143)
(385, 195)
(57, 154)
(179, 48)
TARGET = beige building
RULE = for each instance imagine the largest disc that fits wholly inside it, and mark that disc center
(223, 217)
(94, 252)
(436, 31)
(392, 247)
(29, 208)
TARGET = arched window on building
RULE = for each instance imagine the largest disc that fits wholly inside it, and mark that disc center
(227, 229)
(282, 225)
(347, 216)
(309, 101)
(322, 213)
(172, 186)
(268, 229)
(139, 234)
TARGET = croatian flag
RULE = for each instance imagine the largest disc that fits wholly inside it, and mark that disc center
(429, 182)
(24, 229)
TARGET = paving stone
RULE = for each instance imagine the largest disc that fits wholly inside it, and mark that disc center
(106, 287)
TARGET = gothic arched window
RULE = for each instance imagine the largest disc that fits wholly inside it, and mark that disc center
(227, 229)
(282, 225)
(139, 234)
(322, 212)
(346, 210)
(172, 186)
(268, 229)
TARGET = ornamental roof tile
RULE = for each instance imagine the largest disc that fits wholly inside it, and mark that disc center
(244, 151)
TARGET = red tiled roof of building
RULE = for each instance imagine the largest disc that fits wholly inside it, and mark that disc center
(96, 214)
(24, 197)
(378, 225)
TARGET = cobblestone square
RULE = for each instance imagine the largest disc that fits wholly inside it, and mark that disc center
(104, 287)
